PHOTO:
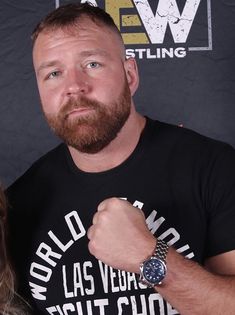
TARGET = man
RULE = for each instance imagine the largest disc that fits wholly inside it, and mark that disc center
(124, 195)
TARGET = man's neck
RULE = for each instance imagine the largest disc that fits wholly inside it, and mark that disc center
(116, 152)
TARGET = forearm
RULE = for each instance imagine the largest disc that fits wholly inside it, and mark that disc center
(121, 239)
(192, 290)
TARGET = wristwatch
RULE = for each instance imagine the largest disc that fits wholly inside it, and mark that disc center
(153, 270)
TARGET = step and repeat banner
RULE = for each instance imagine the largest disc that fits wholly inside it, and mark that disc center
(185, 50)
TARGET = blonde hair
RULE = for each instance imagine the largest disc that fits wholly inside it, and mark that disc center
(10, 302)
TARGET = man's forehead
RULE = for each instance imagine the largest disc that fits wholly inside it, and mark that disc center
(86, 29)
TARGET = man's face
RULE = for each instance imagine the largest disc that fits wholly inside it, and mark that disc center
(83, 84)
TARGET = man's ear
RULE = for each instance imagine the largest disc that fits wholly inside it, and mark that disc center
(132, 74)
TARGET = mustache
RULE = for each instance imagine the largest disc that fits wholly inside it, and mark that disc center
(81, 102)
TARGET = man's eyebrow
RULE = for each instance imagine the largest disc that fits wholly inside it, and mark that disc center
(94, 52)
(85, 53)
(47, 64)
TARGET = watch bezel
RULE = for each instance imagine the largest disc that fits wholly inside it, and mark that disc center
(143, 277)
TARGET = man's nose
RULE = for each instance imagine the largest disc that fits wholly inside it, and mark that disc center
(76, 83)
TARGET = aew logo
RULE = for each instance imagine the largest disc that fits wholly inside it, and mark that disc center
(160, 29)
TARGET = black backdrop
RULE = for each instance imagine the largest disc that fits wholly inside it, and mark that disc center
(186, 56)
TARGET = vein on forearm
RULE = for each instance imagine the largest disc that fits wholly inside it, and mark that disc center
(193, 290)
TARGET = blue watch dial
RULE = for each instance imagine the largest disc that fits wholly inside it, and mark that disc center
(154, 270)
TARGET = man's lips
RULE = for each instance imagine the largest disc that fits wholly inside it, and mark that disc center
(79, 111)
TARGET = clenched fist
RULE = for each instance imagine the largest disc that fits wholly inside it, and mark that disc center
(119, 236)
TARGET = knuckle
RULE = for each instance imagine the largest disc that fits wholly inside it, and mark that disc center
(115, 202)
(103, 218)
(92, 247)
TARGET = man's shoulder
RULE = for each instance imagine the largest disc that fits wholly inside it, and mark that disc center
(40, 169)
(184, 146)
(187, 138)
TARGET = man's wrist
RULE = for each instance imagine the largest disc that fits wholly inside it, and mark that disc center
(153, 270)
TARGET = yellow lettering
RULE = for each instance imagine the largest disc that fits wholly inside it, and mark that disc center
(113, 7)
(135, 38)
(131, 20)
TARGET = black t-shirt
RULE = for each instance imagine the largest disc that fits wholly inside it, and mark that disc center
(184, 183)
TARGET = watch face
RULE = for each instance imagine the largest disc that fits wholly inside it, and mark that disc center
(154, 270)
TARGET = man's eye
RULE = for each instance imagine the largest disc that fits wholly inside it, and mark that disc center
(53, 74)
(92, 65)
